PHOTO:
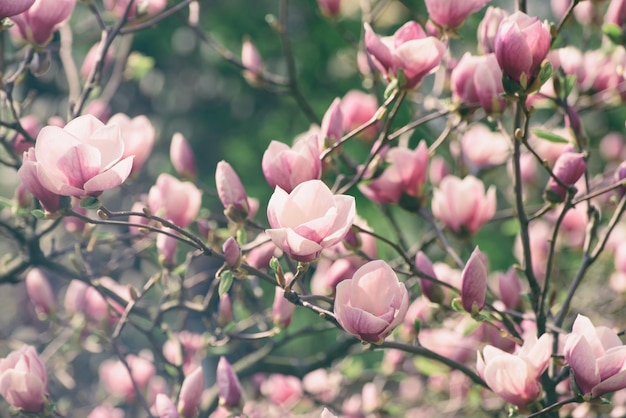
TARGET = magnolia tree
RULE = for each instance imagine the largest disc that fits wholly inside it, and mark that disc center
(445, 240)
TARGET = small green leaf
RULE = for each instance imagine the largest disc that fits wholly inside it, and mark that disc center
(391, 87)
(90, 202)
(274, 264)
(613, 32)
(242, 236)
(550, 136)
(138, 66)
(511, 87)
(570, 82)
(457, 305)
(226, 281)
(38, 213)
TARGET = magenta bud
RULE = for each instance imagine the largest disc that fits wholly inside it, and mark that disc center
(451, 14)
(282, 310)
(191, 393)
(37, 24)
(430, 289)
(488, 27)
(12, 8)
(228, 385)
(225, 310)
(329, 8)
(474, 282)
(181, 156)
(40, 292)
(568, 168)
(231, 193)
(232, 252)
(332, 123)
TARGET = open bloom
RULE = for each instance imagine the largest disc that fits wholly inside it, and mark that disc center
(409, 50)
(462, 205)
(82, 159)
(23, 380)
(30, 180)
(522, 43)
(597, 358)
(37, 24)
(373, 303)
(477, 80)
(515, 377)
(308, 219)
(175, 200)
(138, 134)
(286, 167)
(451, 14)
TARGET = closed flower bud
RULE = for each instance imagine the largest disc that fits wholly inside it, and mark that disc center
(488, 27)
(510, 289)
(568, 168)
(332, 124)
(14, 7)
(224, 310)
(474, 282)
(228, 385)
(282, 309)
(166, 248)
(430, 289)
(231, 193)
(232, 252)
(191, 393)
(329, 8)
(40, 292)
(182, 158)
(477, 80)
(620, 175)
(164, 407)
(251, 59)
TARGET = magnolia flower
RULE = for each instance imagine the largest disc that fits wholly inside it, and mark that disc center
(409, 50)
(138, 135)
(231, 192)
(308, 219)
(451, 14)
(477, 80)
(175, 200)
(488, 27)
(371, 304)
(515, 377)
(462, 205)
(40, 292)
(37, 24)
(521, 44)
(23, 380)
(182, 158)
(191, 393)
(358, 108)
(82, 159)
(568, 168)
(14, 7)
(282, 309)
(228, 384)
(28, 173)
(597, 358)
(286, 167)
(474, 282)
(149, 7)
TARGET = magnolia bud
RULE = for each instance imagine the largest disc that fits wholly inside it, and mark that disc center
(474, 282)
(568, 168)
(181, 156)
(430, 289)
(40, 292)
(282, 310)
(330, 8)
(224, 310)
(620, 175)
(251, 59)
(228, 384)
(231, 193)
(232, 252)
(510, 289)
(191, 393)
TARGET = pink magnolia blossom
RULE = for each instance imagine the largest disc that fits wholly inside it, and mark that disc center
(40, 292)
(515, 377)
(191, 393)
(231, 192)
(477, 80)
(119, 382)
(107, 411)
(166, 246)
(182, 158)
(308, 219)
(31, 125)
(185, 350)
(406, 174)
(332, 125)
(14, 7)
(474, 282)
(92, 59)
(371, 304)
(287, 167)
(82, 159)
(165, 407)
(37, 24)
(282, 309)
(462, 205)
(23, 380)
(138, 135)
(597, 358)
(488, 27)
(175, 200)
(481, 148)
(281, 389)
(358, 108)
(521, 44)
(28, 173)
(510, 289)
(228, 384)
(409, 50)
(430, 289)
(232, 252)
(568, 168)
(616, 14)
(451, 14)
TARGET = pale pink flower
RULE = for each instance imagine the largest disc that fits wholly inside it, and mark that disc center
(308, 219)
(37, 24)
(521, 44)
(438, 170)
(358, 108)
(282, 309)
(252, 61)
(82, 159)
(426, 273)
(409, 50)
(23, 380)
(165, 407)
(166, 246)
(474, 282)
(332, 125)
(40, 292)
(449, 342)
(232, 252)
(185, 350)
(28, 173)
(182, 158)
(477, 80)
(191, 393)
(516, 377)
(616, 14)
(175, 200)
(324, 385)
(228, 384)
(138, 135)
(462, 205)
(488, 27)
(510, 289)
(282, 389)
(406, 173)
(92, 59)
(286, 167)
(371, 304)
(107, 411)
(31, 125)
(119, 383)
(481, 148)
(450, 14)
(597, 358)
